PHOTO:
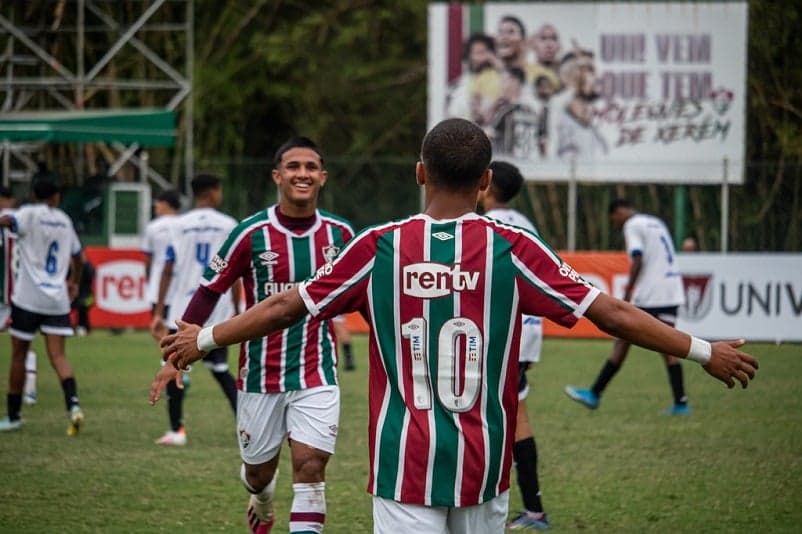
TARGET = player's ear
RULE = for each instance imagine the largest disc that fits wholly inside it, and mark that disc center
(276, 176)
(420, 173)
(324, 175)
(484, 181)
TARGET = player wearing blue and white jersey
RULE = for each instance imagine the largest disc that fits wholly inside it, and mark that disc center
(655, 286)
(155, 241)
(193, 238)
(48, 249)
(506, 184)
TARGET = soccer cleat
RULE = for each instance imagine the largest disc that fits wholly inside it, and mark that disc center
(8, 425)
(585, 397)
(76, 421)
(677, 409)
(529, 521)
(260, 516)
(29, 398)
(177, 438)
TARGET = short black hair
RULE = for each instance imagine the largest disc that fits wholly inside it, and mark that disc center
(478, 38)
(45, 187)
(204, 182)
(171, 198)
(515, 20)
(5, 192)
(455, 153)
(619, 203)
(507, 181)
(296, 142)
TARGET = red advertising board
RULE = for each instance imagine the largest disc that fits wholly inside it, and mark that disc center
(119, 286)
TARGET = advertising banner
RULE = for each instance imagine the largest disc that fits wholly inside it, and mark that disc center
(608, 91)
(119, 288)
(754, 296)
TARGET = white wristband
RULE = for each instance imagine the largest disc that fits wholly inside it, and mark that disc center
(700, 350)
(206, 341)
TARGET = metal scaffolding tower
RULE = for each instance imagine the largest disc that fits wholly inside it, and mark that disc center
(96, 55)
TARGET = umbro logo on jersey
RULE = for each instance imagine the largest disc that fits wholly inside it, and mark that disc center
(442, 236)
(269, 257)
(432, 280)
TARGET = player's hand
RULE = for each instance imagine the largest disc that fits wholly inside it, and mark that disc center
(181, 349)
(165, 374)
(157, 327)
(729, 364)
(72, 290)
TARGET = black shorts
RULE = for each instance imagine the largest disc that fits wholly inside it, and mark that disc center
(215, 360)
(667, 314)
(24, 324)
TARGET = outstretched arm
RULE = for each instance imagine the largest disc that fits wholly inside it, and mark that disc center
(271, 315)
(625, 321)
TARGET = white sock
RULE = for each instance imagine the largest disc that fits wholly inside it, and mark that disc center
(30, 372)
(308, 512)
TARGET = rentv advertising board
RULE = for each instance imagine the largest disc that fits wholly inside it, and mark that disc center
(624, 92)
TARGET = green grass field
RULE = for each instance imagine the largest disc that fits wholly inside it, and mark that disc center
(734, 465)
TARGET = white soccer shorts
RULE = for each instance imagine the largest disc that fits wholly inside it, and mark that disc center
(391, 517)
(308, 416)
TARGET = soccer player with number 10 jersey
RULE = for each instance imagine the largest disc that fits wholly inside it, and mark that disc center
(443, 292)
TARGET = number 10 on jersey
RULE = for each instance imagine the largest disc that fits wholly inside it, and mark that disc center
(457, 336)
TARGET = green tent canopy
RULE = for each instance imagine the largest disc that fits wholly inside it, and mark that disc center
(148, 127)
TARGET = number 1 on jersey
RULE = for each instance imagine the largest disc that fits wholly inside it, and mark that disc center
(456, 332)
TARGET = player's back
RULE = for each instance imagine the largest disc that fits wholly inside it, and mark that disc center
(155, 241)
(444, 299)
(46, 241)
(660, 281)
(195, 236)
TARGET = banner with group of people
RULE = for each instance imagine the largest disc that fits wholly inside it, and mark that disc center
(597, 91)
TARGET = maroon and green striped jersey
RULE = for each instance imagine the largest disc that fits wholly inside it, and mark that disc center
(443, 300)
(271, 258)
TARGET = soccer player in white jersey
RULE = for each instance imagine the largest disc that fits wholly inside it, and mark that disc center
(8, 268)
(48, 248)
(655, 286)
(192, 239)
(443, 292)
(155, 241)
(288, 381)
(506, 184)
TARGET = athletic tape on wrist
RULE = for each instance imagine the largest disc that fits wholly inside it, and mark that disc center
(700, 350)
(206, 341)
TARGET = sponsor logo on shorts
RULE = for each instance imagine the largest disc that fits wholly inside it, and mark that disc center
(333, 430)
(244, 438)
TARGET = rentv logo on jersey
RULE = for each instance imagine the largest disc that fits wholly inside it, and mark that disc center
(431, 280)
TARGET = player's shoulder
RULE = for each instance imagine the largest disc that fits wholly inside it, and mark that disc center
(513, 217)
(252, 222)
(331, 218)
